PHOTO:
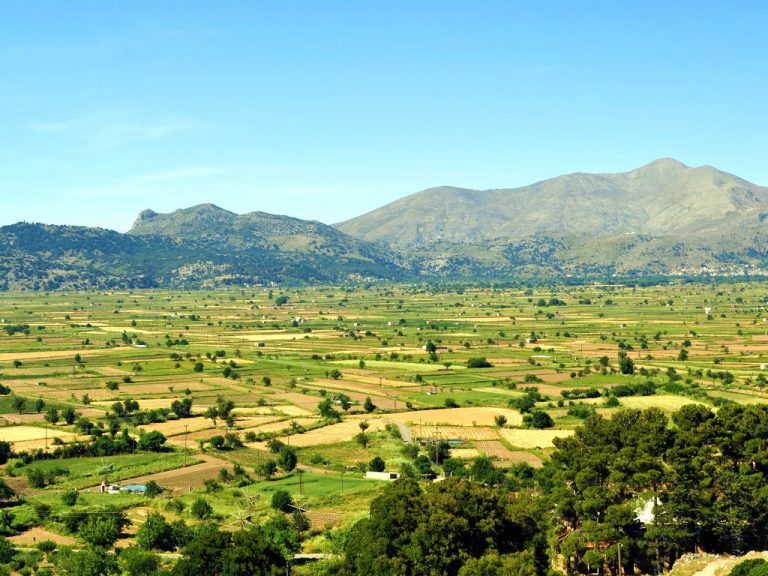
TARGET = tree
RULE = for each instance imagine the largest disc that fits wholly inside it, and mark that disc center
(19, 404)
(287, 459)
(6, 450)
(152, 489)
(182, 408)
(91, 561)
(213, 413)
(52, 416)
(363, 439)
(155, 533)
(7, 550)
(267, 469)
(439, 452)
(377, 464)
(6, 492)
(251, 554)
(492, 564)
(203, 555)
(283, 535)
(101, 531)
(626, 366)
(538, 419)
(369, 406)
(6, 520)
(201, 509)
(69, 497)
(479, 362)
(281, 500)
(35, 477)
(39, 405)
(198, 367)
(153, 441)
(69, 415)
(134, 561)
(327, 410)
(500, 420)
(281, 300)
(218, 442)
(436, 531)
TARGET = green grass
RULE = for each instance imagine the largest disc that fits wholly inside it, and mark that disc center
(85, 472)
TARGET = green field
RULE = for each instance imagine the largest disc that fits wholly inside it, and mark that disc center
(410, 349)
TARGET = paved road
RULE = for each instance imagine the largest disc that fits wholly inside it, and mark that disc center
(405, 432)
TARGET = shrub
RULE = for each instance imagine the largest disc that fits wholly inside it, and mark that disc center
(748, 567)
(479, 362)
(538, 419)
(377, 464)
(70, 497)
(152, 489)
(151, 441)
(201, 509)
(281, 500)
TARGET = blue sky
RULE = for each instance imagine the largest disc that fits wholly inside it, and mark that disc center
(327, 109)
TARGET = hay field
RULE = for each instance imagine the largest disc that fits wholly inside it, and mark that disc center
(332, 434)
(529, 439)
(474, 416)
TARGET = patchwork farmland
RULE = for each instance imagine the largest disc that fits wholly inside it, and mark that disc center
(229, 382)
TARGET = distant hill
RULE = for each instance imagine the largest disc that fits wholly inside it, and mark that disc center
(664, 218)
(663, 198)
(194, 247)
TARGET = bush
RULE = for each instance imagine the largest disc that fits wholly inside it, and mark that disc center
(152, 489)
(538, 419)
(479, 362)
(7, 550)
(287, 459)
(281, 500)
(46, 546)
(748, 567)
(377, 464)
(217, 442)
(70, 497)
(581, 411)
(152, 441)
(201, 509)
(137, 561)
(36, 478)
(155, 533)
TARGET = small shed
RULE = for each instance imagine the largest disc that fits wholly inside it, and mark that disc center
(382, 475)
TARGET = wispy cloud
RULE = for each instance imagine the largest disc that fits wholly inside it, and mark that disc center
(146, 185)
(178, 174)
(108, 134)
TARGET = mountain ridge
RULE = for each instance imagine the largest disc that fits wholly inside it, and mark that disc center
(661, 219)
(662, 198)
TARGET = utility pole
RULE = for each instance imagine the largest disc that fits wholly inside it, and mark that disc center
(300, 473)
(621, 570)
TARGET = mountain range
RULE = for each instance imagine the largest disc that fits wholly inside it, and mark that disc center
(664, 218)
